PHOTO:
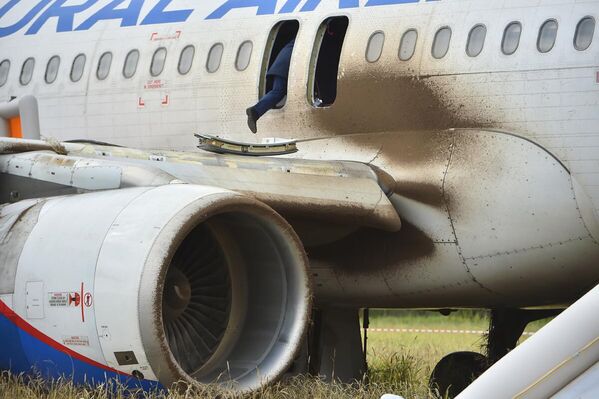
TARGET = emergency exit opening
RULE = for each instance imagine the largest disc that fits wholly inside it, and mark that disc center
(281, 34)
(324, 63)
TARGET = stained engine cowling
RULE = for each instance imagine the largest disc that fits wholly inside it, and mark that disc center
(178, 282)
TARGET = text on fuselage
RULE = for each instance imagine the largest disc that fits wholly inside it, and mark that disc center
(129, 12)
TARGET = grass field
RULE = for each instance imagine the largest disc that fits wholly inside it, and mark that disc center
(399, 363)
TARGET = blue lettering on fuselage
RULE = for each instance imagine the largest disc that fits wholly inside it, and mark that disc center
(9, 30)
(311, 4)
(129, 14)
(157, 15)
(268, 6)
(65, 15)
(264, 7)
(371, 3)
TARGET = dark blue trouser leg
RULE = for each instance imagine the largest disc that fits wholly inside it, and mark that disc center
(273, 97)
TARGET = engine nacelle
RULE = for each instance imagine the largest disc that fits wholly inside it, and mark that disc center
(151, 286)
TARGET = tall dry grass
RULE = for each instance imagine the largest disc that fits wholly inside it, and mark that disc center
(298, 387)
(399, 363)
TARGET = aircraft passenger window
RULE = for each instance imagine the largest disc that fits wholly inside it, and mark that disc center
(186, 59)
(77, 68)
(130, 65)
(27, 71)
(584, 33)
(244, 54)
(441, 42)
(511, 38)
(52, 69)
(375, 46)
(158, 60)
(4, 69)
(547, 35)
(104, 66)
(408, 44)
(476, 40)
(326, 55)
(214, 56)
(280, 34)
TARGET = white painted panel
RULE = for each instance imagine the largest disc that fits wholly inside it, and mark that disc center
(583, 387)
(35, 299)
(62, 251)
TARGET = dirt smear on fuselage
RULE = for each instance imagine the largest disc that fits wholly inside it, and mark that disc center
(368, 249)
(368, 103)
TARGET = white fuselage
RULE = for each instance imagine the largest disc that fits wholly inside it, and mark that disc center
(551, 98)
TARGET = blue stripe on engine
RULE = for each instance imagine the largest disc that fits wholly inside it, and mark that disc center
(21, 352)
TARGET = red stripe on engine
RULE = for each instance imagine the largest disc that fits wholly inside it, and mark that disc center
(28, 328)
(82, 311)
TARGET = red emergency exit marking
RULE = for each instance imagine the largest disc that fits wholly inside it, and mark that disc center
(82, 307)
(74, 299)
(86, 301)
(155, 36)
(164, 100)
(140, 102)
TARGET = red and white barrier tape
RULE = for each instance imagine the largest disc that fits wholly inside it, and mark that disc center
(432, 331)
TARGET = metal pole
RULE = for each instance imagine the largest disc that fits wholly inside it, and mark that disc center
(365, 325)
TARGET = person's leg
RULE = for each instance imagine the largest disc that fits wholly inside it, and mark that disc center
(273, 97)
(267, 102)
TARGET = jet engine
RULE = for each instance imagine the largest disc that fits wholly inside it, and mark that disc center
(151, 286)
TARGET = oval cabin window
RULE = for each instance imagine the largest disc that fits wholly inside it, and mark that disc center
(511, 38)
(4, 69)
(214, 56)
(104, 66)
(52, 69)
(407, 47)
(244, 54)
(441, 42)
(476, 40)
(77, 68)
(158, 60)
(27, 71)
(130, 65)
(186, 59)
(375, 46)
(584, 33)
(547, 36)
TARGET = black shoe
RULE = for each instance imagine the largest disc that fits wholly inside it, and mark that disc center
(252, 118)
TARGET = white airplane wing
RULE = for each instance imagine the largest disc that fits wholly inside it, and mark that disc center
(346, 193)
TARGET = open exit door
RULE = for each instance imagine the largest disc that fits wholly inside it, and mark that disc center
(281, 34)
(324, 63)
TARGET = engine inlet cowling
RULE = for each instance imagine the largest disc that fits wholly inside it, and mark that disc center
(224, 295)
(151, 286)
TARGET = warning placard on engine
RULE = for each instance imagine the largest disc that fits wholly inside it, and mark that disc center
(75, 340)
(58, 299)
